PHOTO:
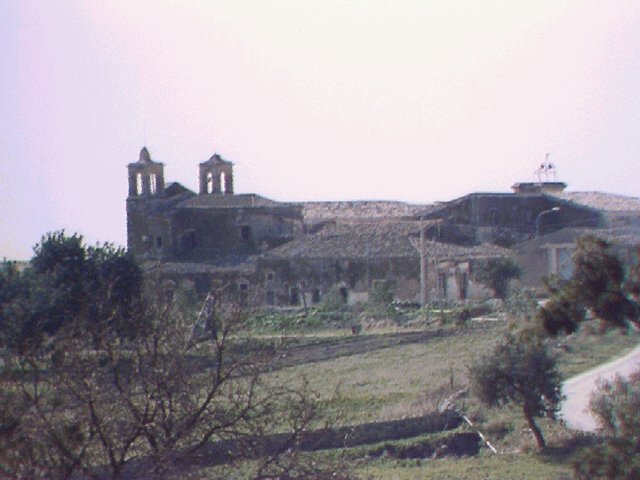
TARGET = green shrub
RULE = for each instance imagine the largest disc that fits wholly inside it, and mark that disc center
(333, 299)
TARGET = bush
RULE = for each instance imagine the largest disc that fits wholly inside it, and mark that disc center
(69, 284)
(496, 274)
(616, 406)
(334, 299)
(521, 304)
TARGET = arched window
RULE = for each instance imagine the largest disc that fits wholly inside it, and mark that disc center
(153, 184)
(223, 182)
(139, 184)
(209, 182)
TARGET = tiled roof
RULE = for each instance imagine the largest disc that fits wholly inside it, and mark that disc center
(382, 239)
(231, 201)
(620, 236)
(449, 250)
(314, 211)
(359, 240)
(603, 201)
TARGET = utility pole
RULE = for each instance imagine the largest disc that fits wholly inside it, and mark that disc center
(423, 267)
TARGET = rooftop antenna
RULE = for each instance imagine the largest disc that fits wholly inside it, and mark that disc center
(546, 168)
(144, 131)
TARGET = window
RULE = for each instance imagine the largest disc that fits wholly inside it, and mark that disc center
(188, 241)
(442, 284)
(245, 233)
(223, 183)
(294, 296)
(153, 184)
(158, 241)
(243, 293)
(315, 296)
(139, 184)
(344, 292)
(271, 297)
(209, 182)
(463, 284)
(565, 263)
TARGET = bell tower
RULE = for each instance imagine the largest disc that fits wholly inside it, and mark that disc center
(146, 177)
(216, 176)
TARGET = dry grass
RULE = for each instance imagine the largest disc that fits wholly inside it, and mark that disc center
(391, 383)
(409, 380)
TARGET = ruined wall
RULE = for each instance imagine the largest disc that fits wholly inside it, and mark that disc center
(317, 276)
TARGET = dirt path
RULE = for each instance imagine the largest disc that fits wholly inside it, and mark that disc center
(578, 390)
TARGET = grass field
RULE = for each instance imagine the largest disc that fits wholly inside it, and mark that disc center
(408, 380)
(382, 388)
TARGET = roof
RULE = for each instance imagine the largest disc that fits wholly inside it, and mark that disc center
(603, 201)
(213, 201)
(620, 236)
(314, 211)
(354, 240)
(175, 188)
(217, 160)
(145, 157)
(441, 250)
(390, 239)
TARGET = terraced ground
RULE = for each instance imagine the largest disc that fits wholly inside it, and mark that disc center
(385, 384)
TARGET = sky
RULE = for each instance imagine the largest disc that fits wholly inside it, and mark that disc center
(416, 101)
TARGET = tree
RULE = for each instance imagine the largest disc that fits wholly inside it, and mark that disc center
(601, 284)
(520, 371)
(522, 304)
(144, 407)
(68, 283)
(496, 274)
(616, 406)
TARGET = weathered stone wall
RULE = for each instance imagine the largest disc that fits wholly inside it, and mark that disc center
(149, 228)
(208, 235)
(279, 276)
(519, 214)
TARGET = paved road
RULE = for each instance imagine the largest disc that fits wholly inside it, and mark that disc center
(578, 390)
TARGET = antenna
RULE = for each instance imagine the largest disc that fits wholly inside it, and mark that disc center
(144, 131)
(546, 168)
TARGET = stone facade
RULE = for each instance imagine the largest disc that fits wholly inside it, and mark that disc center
(275, 253)
(483, 217)
(215, 226)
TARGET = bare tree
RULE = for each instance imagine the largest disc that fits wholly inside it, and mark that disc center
(123, 407)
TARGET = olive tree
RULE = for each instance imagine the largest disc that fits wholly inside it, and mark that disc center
(520, 371)
(616, 407)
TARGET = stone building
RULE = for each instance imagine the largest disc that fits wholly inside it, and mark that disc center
(513, 217)
(174, 224)
(277, 253)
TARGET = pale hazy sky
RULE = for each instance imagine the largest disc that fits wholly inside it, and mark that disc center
(312, 100)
